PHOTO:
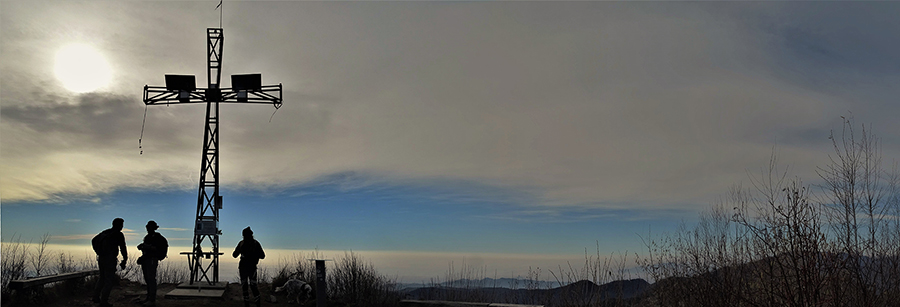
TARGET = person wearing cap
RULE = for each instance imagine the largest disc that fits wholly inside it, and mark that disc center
(251, 252)
(107, 245)
(154, 249)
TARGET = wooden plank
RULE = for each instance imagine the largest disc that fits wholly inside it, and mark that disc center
(417, 303)
(194, 293)
(25, 283)
(203, 285)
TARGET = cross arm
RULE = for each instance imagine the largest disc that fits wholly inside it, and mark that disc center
(160, 95)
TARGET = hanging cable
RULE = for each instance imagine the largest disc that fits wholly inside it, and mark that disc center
(277, 107)
(140, 140)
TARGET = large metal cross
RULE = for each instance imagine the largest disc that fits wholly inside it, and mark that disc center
(182, 89)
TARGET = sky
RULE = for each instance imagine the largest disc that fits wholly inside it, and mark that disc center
(503, 134)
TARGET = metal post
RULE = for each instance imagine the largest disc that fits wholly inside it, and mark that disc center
(320, 284)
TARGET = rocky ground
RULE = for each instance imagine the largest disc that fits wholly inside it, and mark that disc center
(129, 293)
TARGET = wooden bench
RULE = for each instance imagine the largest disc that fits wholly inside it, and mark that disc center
(37, 281)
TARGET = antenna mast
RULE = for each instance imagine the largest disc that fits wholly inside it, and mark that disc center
(220, 13)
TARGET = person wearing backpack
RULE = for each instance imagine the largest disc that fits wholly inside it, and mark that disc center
(154, 249)
(107, 245)
(251, 252)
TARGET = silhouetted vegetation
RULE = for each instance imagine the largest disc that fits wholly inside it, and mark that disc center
(350, 280)
(778, 243)
(21, 260)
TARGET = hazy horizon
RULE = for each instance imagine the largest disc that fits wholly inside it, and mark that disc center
(407, 267)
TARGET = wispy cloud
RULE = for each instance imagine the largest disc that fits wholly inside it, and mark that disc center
(174, 229)
(651, 105)
(584, 214)
(129, 233)
(73, 220)
(554, 215)
(75, 237)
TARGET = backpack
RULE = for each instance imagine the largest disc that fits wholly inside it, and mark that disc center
(162, 251)
(252, 249)
(97, 242)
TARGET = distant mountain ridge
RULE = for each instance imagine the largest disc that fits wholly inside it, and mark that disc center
(583, 292)
(509, 283)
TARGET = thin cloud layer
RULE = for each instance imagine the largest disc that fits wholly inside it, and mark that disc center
(575, 103)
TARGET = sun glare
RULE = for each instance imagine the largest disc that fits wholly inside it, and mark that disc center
(81, 68)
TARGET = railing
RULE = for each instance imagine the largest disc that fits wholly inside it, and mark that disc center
(37, 281)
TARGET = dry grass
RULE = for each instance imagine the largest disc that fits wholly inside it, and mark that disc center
(350, 280)
(22, 260)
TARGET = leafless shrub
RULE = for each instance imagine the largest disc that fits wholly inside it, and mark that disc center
(601, 281)
(298, 265)
(13, 263)
(21, 261)
(39, 258)
(780, 245)
(351, 281)
(66, 263)
(463, 283)
(169, 272)
(132, 270)
(859, 196)
(355, 281)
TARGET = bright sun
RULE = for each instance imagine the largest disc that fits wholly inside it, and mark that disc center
(81, 68)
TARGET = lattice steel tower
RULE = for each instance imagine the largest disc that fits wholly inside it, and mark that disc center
(182, 89)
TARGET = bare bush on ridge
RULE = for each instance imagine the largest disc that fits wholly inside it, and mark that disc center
(779, 244)
(350, 281)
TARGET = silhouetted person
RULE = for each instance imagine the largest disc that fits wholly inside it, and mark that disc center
(251, 252)
(107, 245)
(154, 249)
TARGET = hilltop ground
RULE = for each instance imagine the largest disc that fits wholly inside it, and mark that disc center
(129, 293)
